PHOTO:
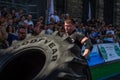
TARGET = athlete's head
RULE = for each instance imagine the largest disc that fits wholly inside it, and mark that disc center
(69, 26)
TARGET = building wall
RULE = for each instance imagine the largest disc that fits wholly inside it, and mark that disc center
(108, 10)
(116, 14)
(73, 10)
(99, 9)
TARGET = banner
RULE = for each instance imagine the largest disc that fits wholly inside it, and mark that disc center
(89, 11)
(94, 57)
(110, 51)
(50, 9)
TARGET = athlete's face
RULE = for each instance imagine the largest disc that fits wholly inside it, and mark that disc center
(69, 28)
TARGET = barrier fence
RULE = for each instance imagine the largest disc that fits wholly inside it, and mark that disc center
(102, 53)
(104, 61)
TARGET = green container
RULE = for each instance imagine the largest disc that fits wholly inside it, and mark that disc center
(105, 70)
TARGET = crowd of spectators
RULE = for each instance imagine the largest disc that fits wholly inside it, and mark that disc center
(14, 25)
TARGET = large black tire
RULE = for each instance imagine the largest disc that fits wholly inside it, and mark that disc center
(44, 57)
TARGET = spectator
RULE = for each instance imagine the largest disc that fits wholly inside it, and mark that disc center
(12, 13)
(37, 28)
(21, 21)
(30, 24)
(3, 30)
(41, 19)
(52, 20)
(15, 23)
(110, 30)
(29, 20)
(117, 33)
(110, 35)
(4, 11)
(109, 38)
(67, 16)
(50, 29)
(92, 37)
(21, 36)
(55, 17)
(30, 29)
(11, 34)
(96, 30)
(82, 28)
(62, 18)
(99, 40)
(1, 39)
(10, 22)
(19, 13)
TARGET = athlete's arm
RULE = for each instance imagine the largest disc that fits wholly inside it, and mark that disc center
(88, 46)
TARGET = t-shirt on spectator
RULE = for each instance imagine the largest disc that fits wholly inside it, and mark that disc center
(55, 17)
(29, 21)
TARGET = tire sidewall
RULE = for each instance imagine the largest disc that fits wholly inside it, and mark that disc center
(44, 44)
